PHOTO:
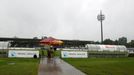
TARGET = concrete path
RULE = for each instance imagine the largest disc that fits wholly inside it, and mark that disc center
(56, 66)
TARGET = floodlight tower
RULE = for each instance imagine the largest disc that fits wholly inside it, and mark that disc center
(100, 18)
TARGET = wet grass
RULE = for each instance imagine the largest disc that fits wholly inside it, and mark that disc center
(103, 66)
(18, 66)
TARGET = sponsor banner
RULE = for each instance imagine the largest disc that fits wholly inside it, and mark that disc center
(74, 54)
(23, 53)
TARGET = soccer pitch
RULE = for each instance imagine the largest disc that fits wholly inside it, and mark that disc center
(90, 66)
(103, 66)
(18, 66)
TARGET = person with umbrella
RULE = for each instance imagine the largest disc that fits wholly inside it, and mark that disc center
(51, 42)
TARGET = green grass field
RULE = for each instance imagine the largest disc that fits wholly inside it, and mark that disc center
(103, 66)
(90, 66)
(18, 66)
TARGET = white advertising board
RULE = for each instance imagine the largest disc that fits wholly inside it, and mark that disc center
(74, 54)
(23, 53)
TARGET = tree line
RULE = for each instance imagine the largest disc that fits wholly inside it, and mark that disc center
(119, 41)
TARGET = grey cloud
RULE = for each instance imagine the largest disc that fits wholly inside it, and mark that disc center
(66, 19)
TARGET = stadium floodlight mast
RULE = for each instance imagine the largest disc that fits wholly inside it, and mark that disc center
(100, 18)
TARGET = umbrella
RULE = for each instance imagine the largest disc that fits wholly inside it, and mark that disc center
(51, 41)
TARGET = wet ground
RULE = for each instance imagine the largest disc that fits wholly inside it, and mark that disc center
(56, 66)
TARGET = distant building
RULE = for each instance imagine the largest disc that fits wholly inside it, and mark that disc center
(130, 50)
(4, 45)
(31, 43)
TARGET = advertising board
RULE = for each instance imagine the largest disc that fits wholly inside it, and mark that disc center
(74, 54)
(23, 53)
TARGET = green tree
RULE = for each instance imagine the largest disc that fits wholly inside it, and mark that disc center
(108, 41)
(122, 41)
(131, 44)
(35, 37)
(116, 42)
(43, 37)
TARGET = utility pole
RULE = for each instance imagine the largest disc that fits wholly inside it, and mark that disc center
(100, 18)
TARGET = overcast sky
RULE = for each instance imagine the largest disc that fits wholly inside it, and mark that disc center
(66, 19)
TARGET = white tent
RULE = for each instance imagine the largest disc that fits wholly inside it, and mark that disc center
(94, 47)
